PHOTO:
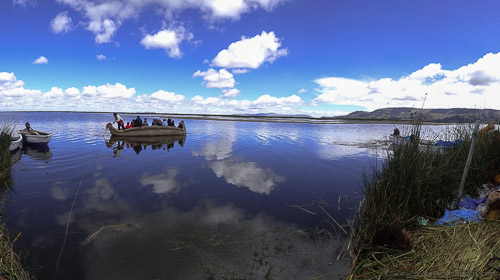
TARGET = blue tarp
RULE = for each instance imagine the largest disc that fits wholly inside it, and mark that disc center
(448, 144)
(471, 203)
(459, 216)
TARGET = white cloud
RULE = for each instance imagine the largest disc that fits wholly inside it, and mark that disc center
(166, 96)
(302, 90)
(250, 52)
(105, 17)
(167, 39)
(61, 23)
(24, 3)
(267, 101)
(209, 101)
(108, 91)
(216, 79)
(54, 92)
(41, 60)
(475, 84)
(239, 71)
(72, 92)
(101, 57)
(230, 93)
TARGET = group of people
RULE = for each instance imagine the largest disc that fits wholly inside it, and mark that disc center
(138, 122)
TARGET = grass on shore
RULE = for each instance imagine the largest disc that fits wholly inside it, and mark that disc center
(415, 182)
(10, 267)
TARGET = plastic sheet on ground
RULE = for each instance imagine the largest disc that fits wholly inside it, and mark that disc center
(471, 203)
(461, 216)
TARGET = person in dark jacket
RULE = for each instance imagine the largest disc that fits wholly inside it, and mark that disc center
(138, 122)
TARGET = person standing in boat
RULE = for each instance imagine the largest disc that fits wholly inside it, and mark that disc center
(118, 120)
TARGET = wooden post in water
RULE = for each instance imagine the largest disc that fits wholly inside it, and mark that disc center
(467, 165)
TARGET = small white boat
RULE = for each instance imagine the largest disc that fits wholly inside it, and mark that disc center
(398, 140)
(35, 136)
(17, 142)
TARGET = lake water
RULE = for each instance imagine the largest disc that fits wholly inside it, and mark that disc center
(240, 200)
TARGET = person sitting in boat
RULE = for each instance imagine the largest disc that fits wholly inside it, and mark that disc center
(145, 123)
(396, 132)
(132, 123)
(169, 121)
(128, 125)
(181, 124)
(154, 122)
(158, 122)
(28, 127)
(118, 120)
(165, 123)
(138, 122)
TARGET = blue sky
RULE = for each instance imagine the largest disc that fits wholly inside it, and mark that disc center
(315, 57)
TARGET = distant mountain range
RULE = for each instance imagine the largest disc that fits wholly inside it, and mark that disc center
(428, 115)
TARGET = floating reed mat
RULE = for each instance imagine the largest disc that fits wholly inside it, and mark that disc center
(470, 251)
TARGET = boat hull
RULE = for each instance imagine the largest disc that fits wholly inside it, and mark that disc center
(36, 137)
(16, 143)
(147, 131)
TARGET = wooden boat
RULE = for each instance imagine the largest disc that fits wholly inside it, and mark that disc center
(16, 143)
(148, 131)
(35, 136)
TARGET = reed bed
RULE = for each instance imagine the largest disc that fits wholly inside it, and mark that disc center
(459, 252)
(415, 183)
(10, 267)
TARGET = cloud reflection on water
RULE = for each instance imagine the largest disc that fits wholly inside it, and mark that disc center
(162, 183)
(238, 172)
(247, 174)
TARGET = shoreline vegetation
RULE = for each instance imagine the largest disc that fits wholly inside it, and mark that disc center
(10, 265)
(392, 235)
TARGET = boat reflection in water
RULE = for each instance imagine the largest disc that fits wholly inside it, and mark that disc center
(15, 156)
(139, 143)
(39, 153)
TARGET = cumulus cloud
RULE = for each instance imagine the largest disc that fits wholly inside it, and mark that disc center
(480, 78)
(250, 52)
(61, 23)
(108, 91)
(167, 39)
(14, 96)
(230, 93)
(475, 82)
(41, 60)
(101, 57)
(166, 96)
(216, 79)
(105, 17)
(72, 92)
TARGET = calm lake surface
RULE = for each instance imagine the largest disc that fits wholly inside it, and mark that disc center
(241, 200)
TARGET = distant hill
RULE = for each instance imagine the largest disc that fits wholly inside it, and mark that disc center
(429, 115)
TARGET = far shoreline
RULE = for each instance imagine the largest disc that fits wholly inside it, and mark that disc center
(253, 118)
